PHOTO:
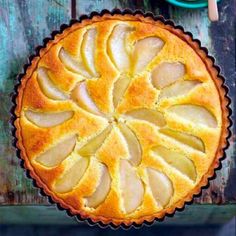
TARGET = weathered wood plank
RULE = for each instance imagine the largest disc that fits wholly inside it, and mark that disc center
(23, 26)
(85, 7)
(223, 35)
(192, 215)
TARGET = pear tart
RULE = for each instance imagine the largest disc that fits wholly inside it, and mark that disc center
(121, 119)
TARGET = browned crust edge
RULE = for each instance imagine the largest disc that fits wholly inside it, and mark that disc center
(121, 15)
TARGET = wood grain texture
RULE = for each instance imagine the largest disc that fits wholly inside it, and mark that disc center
(196, 215)
(24, 24)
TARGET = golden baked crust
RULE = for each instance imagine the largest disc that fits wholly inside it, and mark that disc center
(197, 141)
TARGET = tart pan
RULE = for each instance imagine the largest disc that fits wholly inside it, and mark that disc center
(202, 52)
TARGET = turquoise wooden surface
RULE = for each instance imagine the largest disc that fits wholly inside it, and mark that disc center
(197, 215)
(23, 26)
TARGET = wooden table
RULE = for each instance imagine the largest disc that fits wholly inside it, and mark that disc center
(23, 26)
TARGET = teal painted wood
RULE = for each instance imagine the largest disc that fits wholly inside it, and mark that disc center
(196, 215)
(24, 24)
(84, 7)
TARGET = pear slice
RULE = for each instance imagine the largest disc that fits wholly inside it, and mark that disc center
(152, 116)
(81, 96)
(144, 52)
(135, 151)
(119, 89)
(195, 114)
(88, 51)
(93, 144)
(116, 47)
(161, 186)
(167, 73)
(179, 89)
(71, 178)
(46, 120)
(47, 86)
(178, 161)
(55, 155)
(131, 187)
(187, 139)
(73, 64)
(102, 189)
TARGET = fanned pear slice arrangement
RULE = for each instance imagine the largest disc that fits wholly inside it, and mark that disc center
(72, 64)
(135, 151)
(184, 138)
(119, 89)
(93, 144)
(145, 51)
(131, 187)
(177, 160)
(117, 48)
(121, 118)
(81, 96)
(167, 73)
(84, 63)
(161, 186)
(48, 88)
(55, 155)
(102, 189)
(180, 88)
(149, 115)
(194, 114)
(70, 179)
(88, 51)
(46, 120)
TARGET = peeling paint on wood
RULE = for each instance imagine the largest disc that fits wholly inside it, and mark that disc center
(23, 26)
